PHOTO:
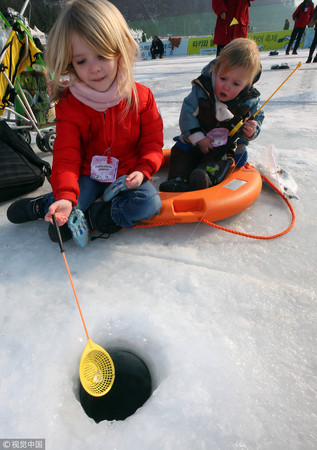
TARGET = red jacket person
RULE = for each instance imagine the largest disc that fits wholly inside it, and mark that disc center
(226, 11)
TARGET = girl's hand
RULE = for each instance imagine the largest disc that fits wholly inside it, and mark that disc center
(249, 128)
(205, 145)
(134, 180)
(61, 209)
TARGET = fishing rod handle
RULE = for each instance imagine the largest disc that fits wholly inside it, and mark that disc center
(59, 237)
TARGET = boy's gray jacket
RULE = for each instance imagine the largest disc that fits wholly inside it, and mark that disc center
(198, 109)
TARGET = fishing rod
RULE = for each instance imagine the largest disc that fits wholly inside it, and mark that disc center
(239, 124)
(234, 135)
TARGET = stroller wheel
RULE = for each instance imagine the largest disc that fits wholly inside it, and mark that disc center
(45, 143)
(25, 135)
(49, 139)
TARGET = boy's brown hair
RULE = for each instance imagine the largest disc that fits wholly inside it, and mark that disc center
(242, 53)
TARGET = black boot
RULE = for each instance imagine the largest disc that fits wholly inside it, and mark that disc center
(199, 179)
(98, 217)
(65, 232)
(309, 59)
(26, 210)
(178, 184)
(210, 174)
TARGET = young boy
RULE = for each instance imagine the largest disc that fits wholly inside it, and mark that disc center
(220, 98)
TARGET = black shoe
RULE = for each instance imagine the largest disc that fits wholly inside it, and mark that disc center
(217, 171)
(315, 59)
(295, 53)
(65, 232)
(99, 218)
(308, 60)
(210, 174)
(178, 184)
(199, 179)
(26, 210)
(287, 52)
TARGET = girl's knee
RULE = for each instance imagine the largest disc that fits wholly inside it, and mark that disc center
(129, 207)
(157, 204)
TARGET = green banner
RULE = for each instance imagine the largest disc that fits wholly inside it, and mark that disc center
(271, 40)
(201, 45)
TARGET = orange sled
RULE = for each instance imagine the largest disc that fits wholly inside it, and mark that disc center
(236, 192)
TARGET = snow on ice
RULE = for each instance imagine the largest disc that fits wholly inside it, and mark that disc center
(226, 324)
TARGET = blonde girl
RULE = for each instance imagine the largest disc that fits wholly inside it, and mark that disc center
(104, 29)
(109, 133)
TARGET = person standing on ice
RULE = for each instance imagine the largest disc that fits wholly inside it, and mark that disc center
(314, 42)
(221, 97)
(108, 128)
(302, 16)
(232, 21)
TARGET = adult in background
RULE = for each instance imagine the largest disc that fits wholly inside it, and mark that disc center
(314, 43)
(157, 47)
(226, 11)
(302, 16)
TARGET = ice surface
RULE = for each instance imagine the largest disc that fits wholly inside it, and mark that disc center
(226, 324)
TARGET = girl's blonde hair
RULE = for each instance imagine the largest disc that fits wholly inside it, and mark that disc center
(240, 52)
(101, 25)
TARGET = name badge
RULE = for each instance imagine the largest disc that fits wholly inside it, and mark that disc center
(104, 168)
(219, 136)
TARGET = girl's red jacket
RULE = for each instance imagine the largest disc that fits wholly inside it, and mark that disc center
(135, 139)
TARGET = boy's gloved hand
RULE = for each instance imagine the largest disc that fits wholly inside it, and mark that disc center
(183, 143)
(241, 155)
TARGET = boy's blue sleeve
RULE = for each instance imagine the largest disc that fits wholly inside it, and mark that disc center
(187, 119)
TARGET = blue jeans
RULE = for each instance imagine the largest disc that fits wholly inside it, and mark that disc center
(127, 208)
(133, 205)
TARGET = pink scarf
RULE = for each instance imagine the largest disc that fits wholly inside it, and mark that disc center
(99, 101)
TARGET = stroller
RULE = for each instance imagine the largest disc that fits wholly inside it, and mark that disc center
(24, 96)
